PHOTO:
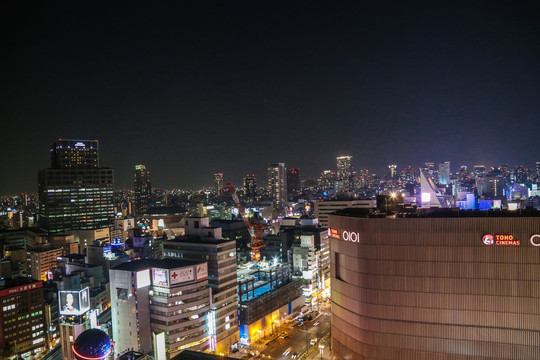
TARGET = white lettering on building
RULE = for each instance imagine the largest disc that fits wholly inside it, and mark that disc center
(350, 236)
(535, 240)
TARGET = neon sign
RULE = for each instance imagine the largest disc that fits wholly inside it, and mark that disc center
(501, 240)
(333, 233)
(488, 239)
(345, 235)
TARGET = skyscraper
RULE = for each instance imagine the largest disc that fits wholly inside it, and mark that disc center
(444, 173)
(344, 173)
(250, 187)
(293, 182)
(277, 186)
(81, 154)
(143, 189)
(392, 172)
(327, 180)
(75, 193)
(218, 182)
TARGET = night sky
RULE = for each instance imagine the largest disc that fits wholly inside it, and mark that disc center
(190, 90)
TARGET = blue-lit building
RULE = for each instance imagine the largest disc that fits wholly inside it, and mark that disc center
(267, 296)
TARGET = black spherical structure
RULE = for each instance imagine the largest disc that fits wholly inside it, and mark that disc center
(92, 344)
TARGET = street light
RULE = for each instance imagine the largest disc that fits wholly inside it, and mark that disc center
(321, 349)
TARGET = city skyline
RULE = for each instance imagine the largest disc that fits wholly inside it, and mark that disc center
(192, 90)
(237, 179)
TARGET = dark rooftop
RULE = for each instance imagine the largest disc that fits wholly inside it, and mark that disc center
(34, 229)
(10, 283)
(156, 263)
(165, 210)
(198, 240)
(131, 355)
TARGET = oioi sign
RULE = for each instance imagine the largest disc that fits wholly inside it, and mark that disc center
(535, 240)
(350, 236)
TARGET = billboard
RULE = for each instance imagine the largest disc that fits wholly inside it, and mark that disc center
(202, 271)
(143, 278)
(160, 277)
(182, 275)
(74, 302)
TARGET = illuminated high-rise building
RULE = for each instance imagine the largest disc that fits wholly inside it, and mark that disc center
(327, 180)
(23, 331)
(392, 172)
(463, 173)
(444, 173)
(80, 154)
(479, 170)
(250, 187)
(523, 175)
(143, 189)
(218, 182)
(75, 193)
(408, 175)
(430, 169)
(277, 186)
(293, 182)
(344, 173)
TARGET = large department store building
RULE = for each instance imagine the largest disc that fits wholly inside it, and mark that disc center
(434, 285)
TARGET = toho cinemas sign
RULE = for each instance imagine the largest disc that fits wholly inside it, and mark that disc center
(500, 240)
(345, 235)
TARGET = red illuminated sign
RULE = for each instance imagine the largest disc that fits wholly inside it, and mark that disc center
(19, 289)
(333, 233)
(500, 239)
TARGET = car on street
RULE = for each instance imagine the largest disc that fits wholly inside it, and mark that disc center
(286, 352)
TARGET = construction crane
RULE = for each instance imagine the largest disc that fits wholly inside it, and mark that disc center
(256, 230)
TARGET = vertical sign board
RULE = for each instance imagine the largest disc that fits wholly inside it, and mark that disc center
(160, 277)
(143, 278)
(202, 271)
(160, 352)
